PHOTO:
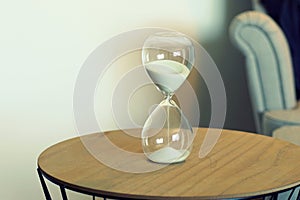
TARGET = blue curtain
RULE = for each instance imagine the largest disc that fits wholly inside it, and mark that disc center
(287, 15)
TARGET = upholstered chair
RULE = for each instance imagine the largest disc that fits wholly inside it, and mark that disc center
(269, 70)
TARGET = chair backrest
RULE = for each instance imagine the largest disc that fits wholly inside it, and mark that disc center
(268, 62)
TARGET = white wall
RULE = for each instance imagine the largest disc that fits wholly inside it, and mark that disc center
(42, 47)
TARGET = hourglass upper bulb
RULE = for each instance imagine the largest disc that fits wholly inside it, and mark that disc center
(168, 58)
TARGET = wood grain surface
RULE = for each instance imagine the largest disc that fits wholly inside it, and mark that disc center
(240, 165)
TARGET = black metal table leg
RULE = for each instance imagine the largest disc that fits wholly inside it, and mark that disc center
(44, 186)
(298, 196)
(291, 194)
(94, 197)
(63, 193)
(275, 196)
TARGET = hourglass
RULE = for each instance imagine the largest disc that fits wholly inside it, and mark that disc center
(167, 135)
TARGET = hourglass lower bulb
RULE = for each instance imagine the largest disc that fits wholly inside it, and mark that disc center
(167, 135)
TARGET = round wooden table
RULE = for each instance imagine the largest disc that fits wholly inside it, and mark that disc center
(241, 165)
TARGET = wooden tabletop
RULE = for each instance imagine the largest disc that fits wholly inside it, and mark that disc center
(240, 165)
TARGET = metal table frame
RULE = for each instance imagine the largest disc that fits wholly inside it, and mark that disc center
(63, 186)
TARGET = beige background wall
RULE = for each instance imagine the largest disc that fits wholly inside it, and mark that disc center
(43, 45)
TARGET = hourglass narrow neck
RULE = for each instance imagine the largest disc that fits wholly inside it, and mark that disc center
(168, 101)
(168, 97)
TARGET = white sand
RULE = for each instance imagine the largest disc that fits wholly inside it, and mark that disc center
(168, 155)
(167, 74)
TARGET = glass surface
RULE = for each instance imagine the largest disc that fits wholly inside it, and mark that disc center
(167, 135)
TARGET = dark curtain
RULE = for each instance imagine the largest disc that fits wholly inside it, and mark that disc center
(287, 15)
